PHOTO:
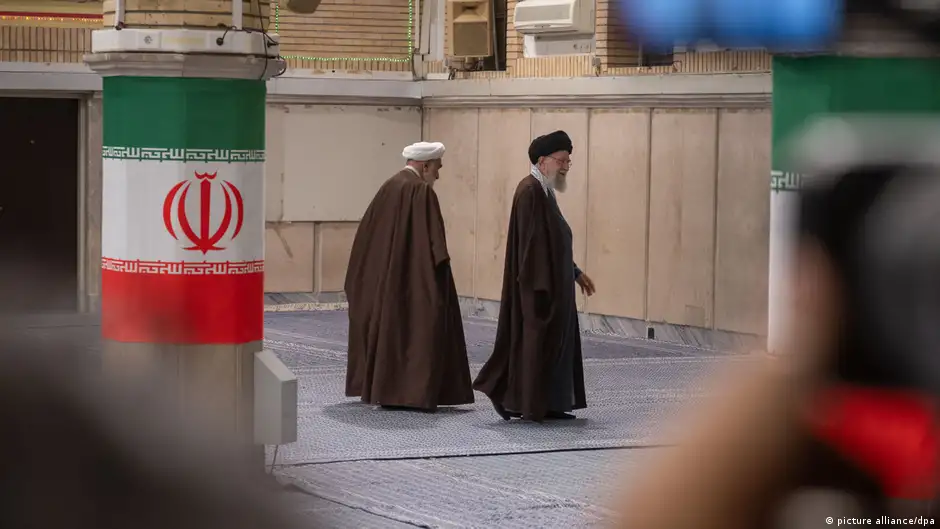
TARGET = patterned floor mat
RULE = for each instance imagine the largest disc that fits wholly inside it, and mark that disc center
(631, 384)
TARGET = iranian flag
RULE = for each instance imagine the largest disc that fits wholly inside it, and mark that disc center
(183, 210)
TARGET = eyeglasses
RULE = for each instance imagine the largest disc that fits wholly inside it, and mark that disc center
(562, 162)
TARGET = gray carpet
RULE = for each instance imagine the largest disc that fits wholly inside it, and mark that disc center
(631, 384)
(573, 489)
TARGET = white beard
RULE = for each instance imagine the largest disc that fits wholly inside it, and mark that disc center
(560, 183)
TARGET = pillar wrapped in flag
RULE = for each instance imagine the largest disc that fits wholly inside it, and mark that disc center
(183, 210)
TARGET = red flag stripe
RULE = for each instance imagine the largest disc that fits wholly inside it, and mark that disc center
(184, 308)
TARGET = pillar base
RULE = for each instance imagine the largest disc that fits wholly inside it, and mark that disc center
(207, 385)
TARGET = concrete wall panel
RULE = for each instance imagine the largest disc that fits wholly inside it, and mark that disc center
(682, 217)
(274, 163)
(289, 257)
(617, 211)
(743, 211)
(503, 161)
(336, 157)
(334, 243)
(457, 187)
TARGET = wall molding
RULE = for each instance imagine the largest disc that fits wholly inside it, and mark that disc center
(667, 90)
(48, 78)
(716, 340)
(324, 90)
(344, 100)
(70, 80)
(674, 90)
(604, 101)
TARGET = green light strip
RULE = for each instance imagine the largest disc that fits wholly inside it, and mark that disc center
(411, 18)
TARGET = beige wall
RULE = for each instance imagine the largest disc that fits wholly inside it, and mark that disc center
(324, 164)
(307, 256)
(669, 206)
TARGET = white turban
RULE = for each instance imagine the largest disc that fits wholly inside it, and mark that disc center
(423, 151)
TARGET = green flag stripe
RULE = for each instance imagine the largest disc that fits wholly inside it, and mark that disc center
(810, 86)
(188, 117)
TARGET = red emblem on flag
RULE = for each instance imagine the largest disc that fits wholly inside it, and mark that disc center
(204, 241)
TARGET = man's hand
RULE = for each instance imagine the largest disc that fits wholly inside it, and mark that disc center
(587, 286)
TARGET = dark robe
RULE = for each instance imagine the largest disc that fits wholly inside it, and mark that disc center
(536, 365)
(406, 340)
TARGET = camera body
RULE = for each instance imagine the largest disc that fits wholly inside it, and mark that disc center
(871, 197)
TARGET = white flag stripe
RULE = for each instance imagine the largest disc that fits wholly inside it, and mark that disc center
(135, 200)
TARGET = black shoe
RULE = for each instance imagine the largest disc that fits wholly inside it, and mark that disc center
(557, 415)
(501, 410)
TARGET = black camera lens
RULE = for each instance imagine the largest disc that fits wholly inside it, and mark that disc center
(880, 225)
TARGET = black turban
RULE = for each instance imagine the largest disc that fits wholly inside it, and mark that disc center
(549, 144)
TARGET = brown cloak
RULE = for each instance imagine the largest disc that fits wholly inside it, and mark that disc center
(406, 340)
(534, 310)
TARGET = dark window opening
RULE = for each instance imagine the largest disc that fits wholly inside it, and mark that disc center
(39, 197)
(497, 63)
(655, 58)
(623, 50)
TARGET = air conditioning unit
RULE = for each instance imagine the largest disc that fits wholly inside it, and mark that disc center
(554, 17)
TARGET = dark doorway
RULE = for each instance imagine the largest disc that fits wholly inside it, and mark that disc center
(39, 197)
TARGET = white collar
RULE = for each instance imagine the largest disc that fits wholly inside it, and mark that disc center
(413, 170)
(541, 178)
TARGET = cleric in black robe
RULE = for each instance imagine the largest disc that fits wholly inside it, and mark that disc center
(406, 341)
(536, 371)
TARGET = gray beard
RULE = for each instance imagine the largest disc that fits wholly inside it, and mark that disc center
(560, 184)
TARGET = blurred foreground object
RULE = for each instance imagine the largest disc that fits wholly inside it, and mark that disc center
(787, 26)
(847, 415)
(82, 454)
(775, 24)
(805, 89)
(872, 201)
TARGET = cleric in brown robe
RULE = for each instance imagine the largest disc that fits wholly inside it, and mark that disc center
(536, 370)
(406, 341)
